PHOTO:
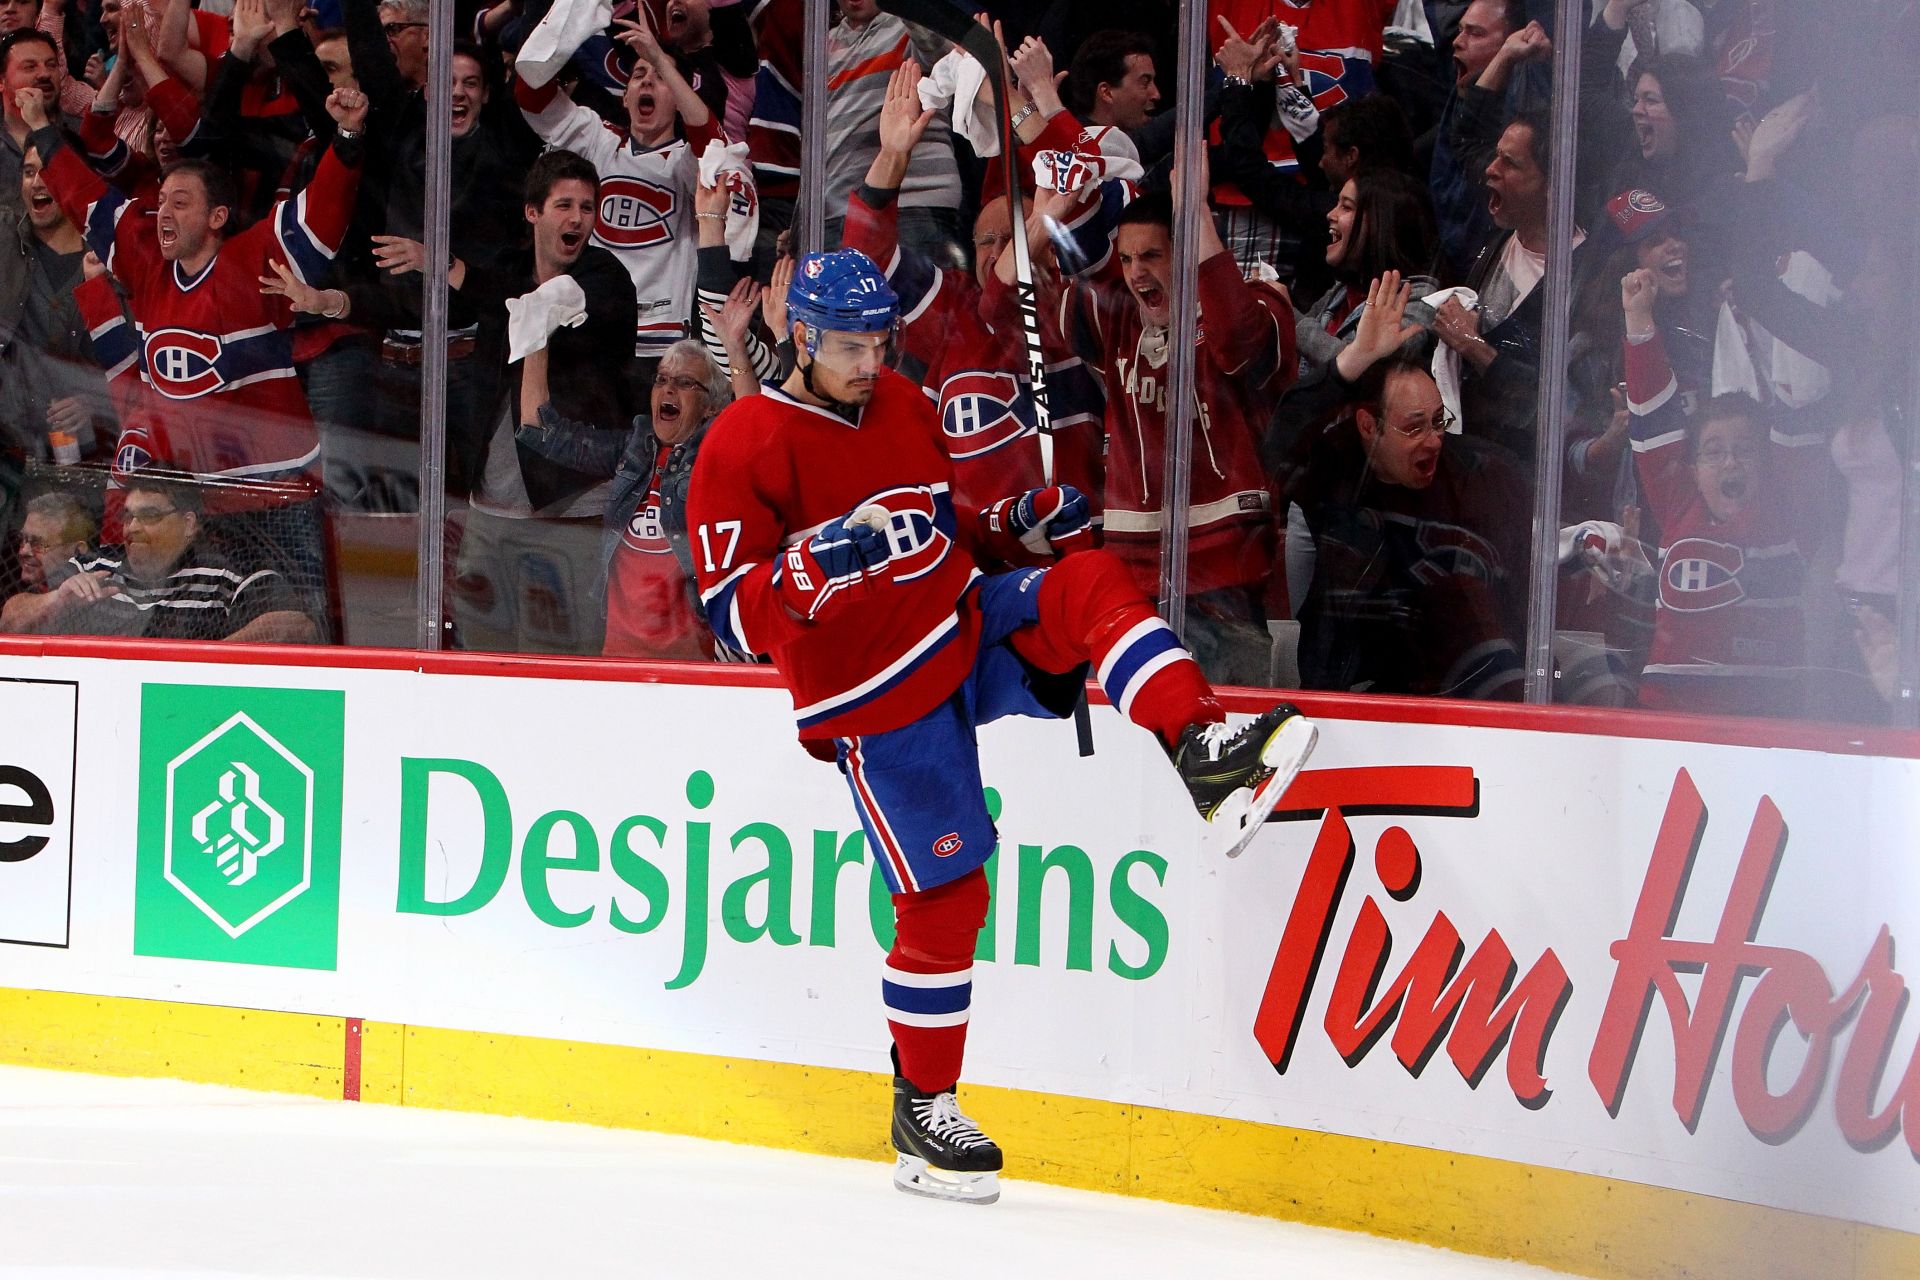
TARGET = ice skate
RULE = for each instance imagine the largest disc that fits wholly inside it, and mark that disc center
(941, 1153)
(1237, 776)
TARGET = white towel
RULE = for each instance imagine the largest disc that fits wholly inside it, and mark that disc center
(727, 162)
(960, 82)
(1733, 372)
(565, 28)
(533, 317)
(1446, 361)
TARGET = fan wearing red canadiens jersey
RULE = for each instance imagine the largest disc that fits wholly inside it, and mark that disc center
(826, 535)
(217, 395)
(1732, 495)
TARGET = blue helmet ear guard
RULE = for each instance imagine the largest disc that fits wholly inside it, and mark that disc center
(842, 292)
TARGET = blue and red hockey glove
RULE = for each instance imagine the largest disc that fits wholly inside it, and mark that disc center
(830, 566)
(1053, 521)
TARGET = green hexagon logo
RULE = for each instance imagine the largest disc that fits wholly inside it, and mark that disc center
(240, 825)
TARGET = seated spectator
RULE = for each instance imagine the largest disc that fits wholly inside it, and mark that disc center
(165, 582)
(653, 602)
(1420, 539)
(1381, 222)
(57, 527)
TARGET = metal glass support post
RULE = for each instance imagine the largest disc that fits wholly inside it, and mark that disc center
(1550, 415)
(810, 216)
(1189, 138)
(1906, 703)
(433, 325)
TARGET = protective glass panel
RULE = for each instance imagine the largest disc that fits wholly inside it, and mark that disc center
(1371, 337)
(1738, 362)
(180, 194)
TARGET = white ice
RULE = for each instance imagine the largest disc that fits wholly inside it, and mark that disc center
(158, 1179)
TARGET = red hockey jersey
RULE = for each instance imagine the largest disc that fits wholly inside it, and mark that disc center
(772, 471)
(975, 372)
(1727, 621)
(1245, 361)
(218, 394)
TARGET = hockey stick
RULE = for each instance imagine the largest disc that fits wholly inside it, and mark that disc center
(945, 19)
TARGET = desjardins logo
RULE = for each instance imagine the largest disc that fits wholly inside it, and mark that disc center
(240, 803)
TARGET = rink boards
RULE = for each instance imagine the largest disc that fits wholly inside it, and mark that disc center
(1550, 985)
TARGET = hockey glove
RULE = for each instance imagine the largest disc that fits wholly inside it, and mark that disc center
(1051, 521)
(826, 567)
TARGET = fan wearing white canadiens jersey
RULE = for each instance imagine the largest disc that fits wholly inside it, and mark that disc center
(825, 534)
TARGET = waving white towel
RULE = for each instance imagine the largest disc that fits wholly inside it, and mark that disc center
(960, 82)
(1446, 361)
(533, 317)
(727, 162)
(564, 29)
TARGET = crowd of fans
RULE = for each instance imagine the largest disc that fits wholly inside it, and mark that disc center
(212, 230)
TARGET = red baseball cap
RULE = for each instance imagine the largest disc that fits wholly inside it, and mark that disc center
(1636, 213)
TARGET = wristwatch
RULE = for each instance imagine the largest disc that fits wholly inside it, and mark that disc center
(1020, 116)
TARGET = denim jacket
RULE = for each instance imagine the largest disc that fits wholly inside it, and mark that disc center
(630, 490)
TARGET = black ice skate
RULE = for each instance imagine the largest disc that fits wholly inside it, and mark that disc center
(1237, 776)
(942, 1154)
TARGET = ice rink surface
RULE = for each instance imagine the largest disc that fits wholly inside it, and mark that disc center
(158, 1179)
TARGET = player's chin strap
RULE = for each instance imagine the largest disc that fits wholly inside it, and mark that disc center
(851, 412)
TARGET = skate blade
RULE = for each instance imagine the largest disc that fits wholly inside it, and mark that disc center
(1240, 816)
(918, 1178)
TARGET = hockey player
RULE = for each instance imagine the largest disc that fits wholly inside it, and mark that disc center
(967, 364)
(825, 535)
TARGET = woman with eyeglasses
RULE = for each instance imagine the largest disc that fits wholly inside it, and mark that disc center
(653, 606)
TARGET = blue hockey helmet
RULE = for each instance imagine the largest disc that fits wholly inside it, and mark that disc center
(841, 292)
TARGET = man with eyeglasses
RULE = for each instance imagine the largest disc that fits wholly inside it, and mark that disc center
(56, 527)
(1420, 538)
(164, 582)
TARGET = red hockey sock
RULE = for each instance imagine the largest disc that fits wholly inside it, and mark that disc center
(928, 984)
(1090, 610)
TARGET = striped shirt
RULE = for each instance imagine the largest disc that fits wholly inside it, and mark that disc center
(204, 597)
(860, 60)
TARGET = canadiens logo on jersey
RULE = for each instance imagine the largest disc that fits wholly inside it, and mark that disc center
(129, 458)
(919, 530)
(182, 364)
(634, 213)
(1697, 575)
(1327, 78)
(980, 411)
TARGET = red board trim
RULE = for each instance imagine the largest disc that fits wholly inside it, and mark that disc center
(1834, 739)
